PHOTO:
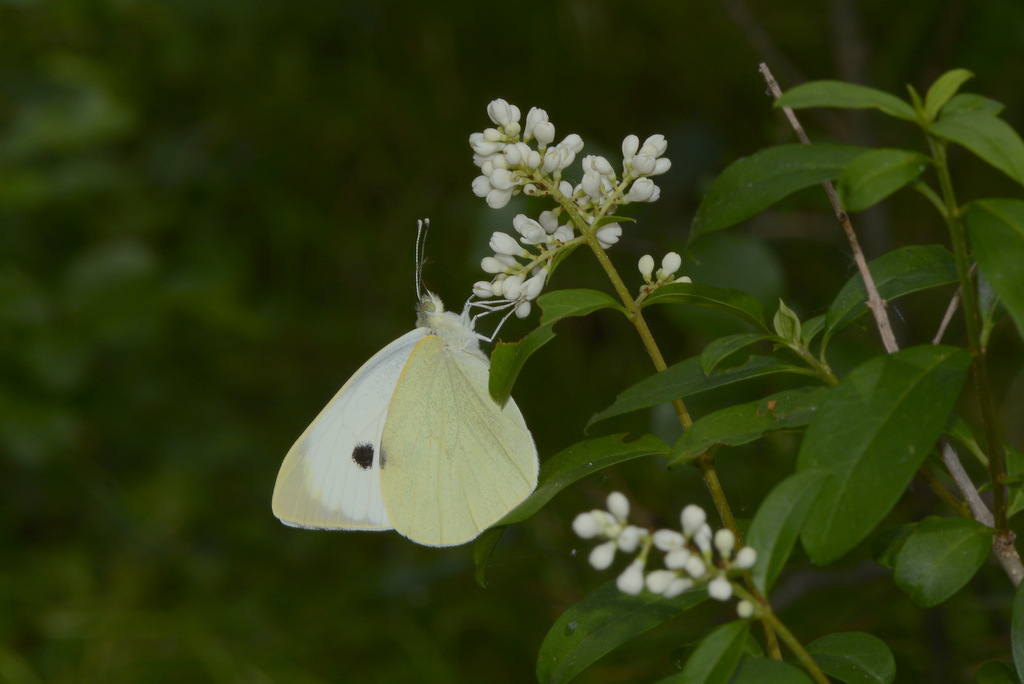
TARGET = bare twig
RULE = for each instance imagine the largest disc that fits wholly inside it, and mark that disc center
(875, 302)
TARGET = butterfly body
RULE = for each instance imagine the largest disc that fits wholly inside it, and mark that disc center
(413, 441)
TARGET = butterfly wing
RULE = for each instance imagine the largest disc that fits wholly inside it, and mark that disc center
(452, 461)
(330, 478)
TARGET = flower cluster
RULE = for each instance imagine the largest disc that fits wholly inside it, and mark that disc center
(670, 263)
(690, 555)
(514, 158)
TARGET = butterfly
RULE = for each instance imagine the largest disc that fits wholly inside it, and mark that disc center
(413, 442)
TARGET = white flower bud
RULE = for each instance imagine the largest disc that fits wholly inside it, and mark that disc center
(630, 144)
(523, 310)
(501, 112)
(591, 184)
(481, 186)
(502, 179)
(496, 198)
(535, 285)
(544, 133)
(482, 289)
(720, 588)
(564, 234)
(655, 145)
(629, 538)
(676, 559)
(641, 190)
(531, 190)
(702, 538)
(671, 263)
(631, 581)
(646, 266)
(535, 116)
(587, 526)
(552, 160)
(661, 166)
(492, 265)
(692, 517)
(493, 135)
(565, 187)
(497, 283)
(667, 540)
(695, 567)
(725, 542)
(745, 559)
(601, 165)
(513, 155)
(548, 220)
(503, 243)
(511, 287)
(512, 129)
(643, 164)
(608, 234)
(533, 160)
(572, 142)
(602, 555)
(657, 581)
(744, 609)
(486, 148)
(678, 586)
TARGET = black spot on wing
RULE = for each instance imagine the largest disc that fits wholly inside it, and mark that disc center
(362, 455)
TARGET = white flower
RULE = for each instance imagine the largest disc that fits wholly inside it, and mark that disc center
(511, 287)
(602, 555)
(702, 538)
(630, 144)
(725, 542)
(642, 190)
(745, 609)
(720, 588)
(677, 559)
(496, 198)
(482, 289)
(501, 112)
(587, 525)
(658, 581)
(572, 142)
(565, 187)
(563, 234)
(502, 179)
(631, 581)
(745, 559)
(678, 586)
(646, 266)
(618, 505)
(608, 234)
(533, 287)
(553, 160)
(654, 145)
(492, 265)
(671, 263)
(523, 310)
(538, 127)
(668, 540)
(629, 538)
(503, 243)
(695, 567)
(692, 517)
(482, 186)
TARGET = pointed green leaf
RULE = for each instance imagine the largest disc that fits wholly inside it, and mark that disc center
(854, 658)
(750, 185)
(777, 523)
(717, 655)
(685, 379)
(996, 228)
(996, 672)
(736, 303)
(873, 431)
(845, 96)
(723, 347)
(939, 558)
(744, 423)
(812, 326)
(558, 472)
(875, 175)
(943, 89)
(966, 103)
(987, 136)
(767, 671)
(603, 620)
(895, 273)
(508, 358)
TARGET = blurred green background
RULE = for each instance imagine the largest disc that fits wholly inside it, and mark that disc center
(207, 216)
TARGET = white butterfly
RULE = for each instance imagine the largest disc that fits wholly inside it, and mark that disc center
(414, 442)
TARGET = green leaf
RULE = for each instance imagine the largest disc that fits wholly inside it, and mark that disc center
(717, 655)
(744, 423)
(996, 672)
(873, 431)
(854, 657)
(558, 472)
(786, 324)
(687, 378)
(887, 545)
(767, 671)
(508, 358)
(944, 87)
(996, 229)
(875, 175)
(939, 558)
(987, 136)
(967, 103)
(777, 523)
(736, 303)
(812, 326)
(752, 184)
(895, 273)
(723, 347)
(603, 620)
(845, 96)
(1017, 629)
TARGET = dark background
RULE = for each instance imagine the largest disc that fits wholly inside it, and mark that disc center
(207, 216)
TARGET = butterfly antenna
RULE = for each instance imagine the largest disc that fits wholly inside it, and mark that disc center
(422, 226)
